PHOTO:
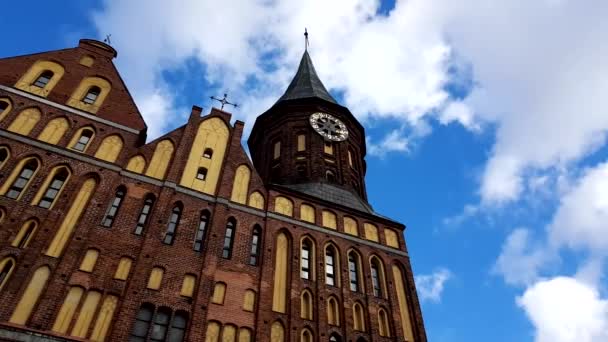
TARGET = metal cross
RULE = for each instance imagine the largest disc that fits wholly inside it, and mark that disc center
(224, 101)
(305, 39)
(107, 40)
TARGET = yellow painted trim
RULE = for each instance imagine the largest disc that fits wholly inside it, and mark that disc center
(249, 300)
(10, 272)
(89, 260)
(8, 108)
(161, 158)
(86, 314)
(16, 171)
(391, 238)
(71, 219)
(77, 136)
(283, 206)
(307, 213)
(110, 148)
(404, 312)
(156, 278)
(76, 99)
(219, 293)
(188, 286)
(47, 183)
(350, 226)
(136, 164)
(26, 81)
(24, 228)
(54, 130)
(25, 121)
(371, 232)
(279, 293)
(123, 268)
(68, 308)
(104, 319)
(277, 332)
(329, 219)
(212, 133)
(240, 186)
(256, 200)
(30, 296)
(213, 332)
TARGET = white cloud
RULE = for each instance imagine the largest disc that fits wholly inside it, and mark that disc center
(393, 141)
(564, 309)
(430, 286)
(520, 259)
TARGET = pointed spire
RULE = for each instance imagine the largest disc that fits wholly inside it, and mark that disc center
(306, 83)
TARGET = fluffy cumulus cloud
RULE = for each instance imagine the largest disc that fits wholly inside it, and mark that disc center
(430, 286)
(564, 309)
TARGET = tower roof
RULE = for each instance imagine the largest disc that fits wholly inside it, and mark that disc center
(306, 83)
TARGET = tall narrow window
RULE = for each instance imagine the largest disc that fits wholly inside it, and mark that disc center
(160, 324)
(6, 269)
(305, 262)
(377, 272)
(330, 272)
(358, 319)
(200, 232)
(123, 269)
(144, 214)
(219, 292)
(156, 278)
(228, 239)
(276, 150)
(43, 79)
(383, 326)
(89, 260)
(91, 95)
(83, 140)
(178, 327)
(328, 148)
(176, 214)
(25, 234)
(353, 271)
(23, 179)
(142, 323)
(333, 313)
(301, 142)
(54, 188)
(112, 211)
(255, 246)
(306, 335)
(330, 176)
(306, 308)
(201, 173)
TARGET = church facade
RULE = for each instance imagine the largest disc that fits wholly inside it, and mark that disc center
(105, 237)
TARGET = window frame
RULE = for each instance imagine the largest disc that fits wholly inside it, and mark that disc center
(229, 238)
(256, 241)
(172, 225)
(114, 207)
(201, 231)
(145, 212)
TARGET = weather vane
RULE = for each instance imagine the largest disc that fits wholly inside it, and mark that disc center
(224, 101)
(107, 40)
(305, 39)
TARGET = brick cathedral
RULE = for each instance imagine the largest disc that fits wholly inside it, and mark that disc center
(105, 237)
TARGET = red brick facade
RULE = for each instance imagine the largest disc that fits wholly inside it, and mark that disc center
(178, 259)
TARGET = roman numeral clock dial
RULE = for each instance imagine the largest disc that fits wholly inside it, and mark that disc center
(329, 127)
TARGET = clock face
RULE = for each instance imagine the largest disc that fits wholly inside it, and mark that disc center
(330, 127)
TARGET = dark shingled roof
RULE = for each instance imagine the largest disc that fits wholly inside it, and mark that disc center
(306, 83)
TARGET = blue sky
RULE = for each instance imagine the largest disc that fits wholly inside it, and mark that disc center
(486, 127)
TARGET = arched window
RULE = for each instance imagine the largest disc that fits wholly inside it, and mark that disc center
(176, 214)
(256, 200)
(301, 142)
(54, 186)
(139, 333)
(329, 219)
(200, 232)
(307, 259)
(4, 155)
(244, 335)
(91, 96)
(83, 140)
(156, 278)
(54, 130)
(328, 148)
(213, 332)
(201, 173)
(208, 153)
(306, 335)
(306, 306)
(25, 122)
(43, 79)
(113, 207)
(21, 181)
(249, 300)
(378, 280)
(332, 264)
(219, 292)
(383, 327)
(178, 327)
(255, 245)
(333, 311)
(335, 338)
(144, 215)
(280, 286)
(25, 234)
(5, 108)
(358, 318)
(354, 271)
(350, 226)
(283, 205)
(229, 333)
(7, 265)
(330, 176)
(123, 269)
(160, 324)
(30, 296)
(301, 172)
(307, 213)
(89, 260)
(228, 239)
(276, 150)
(277, 332)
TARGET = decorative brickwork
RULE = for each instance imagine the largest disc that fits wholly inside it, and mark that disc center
(148, 247)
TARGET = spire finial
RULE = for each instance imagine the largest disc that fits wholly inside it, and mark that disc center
(305, 39)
